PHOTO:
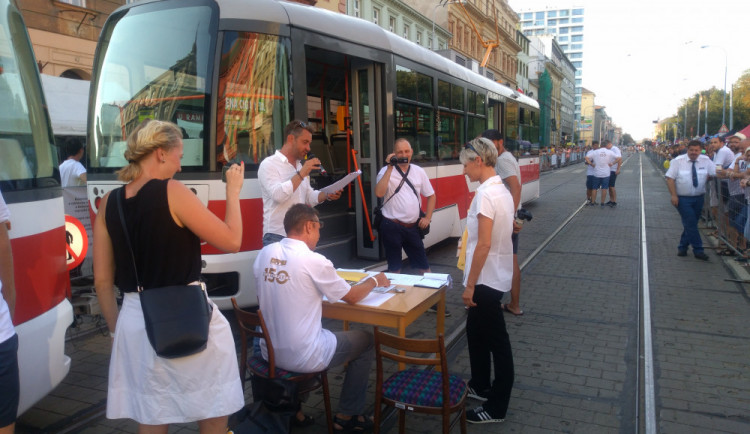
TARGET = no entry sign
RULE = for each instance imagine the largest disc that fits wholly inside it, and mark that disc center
(76, 242)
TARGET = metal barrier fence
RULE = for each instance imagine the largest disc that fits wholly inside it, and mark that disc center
(726, 214)
(556, 161)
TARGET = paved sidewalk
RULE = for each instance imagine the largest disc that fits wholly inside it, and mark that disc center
(575, 348)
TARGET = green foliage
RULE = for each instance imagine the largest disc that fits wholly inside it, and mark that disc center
(715, 98)
(627, 139)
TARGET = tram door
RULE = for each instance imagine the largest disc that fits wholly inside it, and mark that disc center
(367, 133)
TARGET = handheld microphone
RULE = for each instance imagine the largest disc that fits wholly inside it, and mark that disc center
(322, 170)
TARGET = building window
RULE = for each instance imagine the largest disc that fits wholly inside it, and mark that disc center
(562, 39)
(376, 16)
(528, 15)
(575, 55)
(419, 38)
(576, 47)
(539, 16)
(551, 14)
(564, 30)
(577, 19)
(392, 24)
(576, 29)
(539, 22)
(577, 11)
(562, 21)
(406, 31)
(355, 7)
(551, 22)
(80, 3)
(576, 38)
(577, 64)
(564, 13)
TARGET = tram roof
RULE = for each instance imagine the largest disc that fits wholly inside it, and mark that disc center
(361, 32)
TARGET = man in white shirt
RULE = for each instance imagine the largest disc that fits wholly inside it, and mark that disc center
(9, 381)
(401, 221)
(686, 180)
(284, 180)
(72, 172)
(507, 168)
(724, 157)
(614, 170)
(602, 159)
(292, 280)
(590, 178)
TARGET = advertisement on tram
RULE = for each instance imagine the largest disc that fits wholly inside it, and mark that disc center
(30, 185)
(232, 75)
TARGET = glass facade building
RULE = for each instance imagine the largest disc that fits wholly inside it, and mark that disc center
(567, 26)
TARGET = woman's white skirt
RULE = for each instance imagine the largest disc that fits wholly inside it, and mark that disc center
(152, 390)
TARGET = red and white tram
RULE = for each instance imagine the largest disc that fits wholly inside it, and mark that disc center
(233, 73)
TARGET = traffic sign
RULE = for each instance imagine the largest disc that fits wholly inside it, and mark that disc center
(76, 242)
(724, 129)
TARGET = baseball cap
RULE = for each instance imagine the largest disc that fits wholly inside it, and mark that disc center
(738, 135)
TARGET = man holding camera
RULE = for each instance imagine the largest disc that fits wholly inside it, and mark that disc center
(402, 193)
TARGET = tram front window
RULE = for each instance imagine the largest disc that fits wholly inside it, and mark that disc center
(153, 63)
(26, 154)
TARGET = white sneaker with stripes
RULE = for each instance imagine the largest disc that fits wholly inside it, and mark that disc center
(479, 415)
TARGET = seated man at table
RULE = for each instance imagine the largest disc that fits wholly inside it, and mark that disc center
(292, 280)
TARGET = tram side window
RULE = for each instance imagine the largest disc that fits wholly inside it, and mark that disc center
(253, 102)
(414, 123)
(450, 135)
(475, 108)
(415, 113)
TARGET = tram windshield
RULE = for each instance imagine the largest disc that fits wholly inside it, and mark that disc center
(154, 63)
(27, 159)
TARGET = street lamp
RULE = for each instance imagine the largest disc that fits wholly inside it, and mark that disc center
(434, 10)
(726, 57)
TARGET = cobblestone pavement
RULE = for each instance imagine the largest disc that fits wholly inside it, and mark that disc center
(577, 365)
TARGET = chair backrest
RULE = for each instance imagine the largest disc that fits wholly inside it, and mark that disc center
(436, 347)
(249, 323)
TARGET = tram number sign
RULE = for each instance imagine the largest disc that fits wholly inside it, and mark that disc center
(76, 242)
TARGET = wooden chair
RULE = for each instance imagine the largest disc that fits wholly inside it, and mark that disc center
(252, 325)
(419, 390)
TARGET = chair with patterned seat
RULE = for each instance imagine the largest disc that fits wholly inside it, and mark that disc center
(419, 390)
(252, 325)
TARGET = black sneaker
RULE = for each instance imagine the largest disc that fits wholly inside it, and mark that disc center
(682, 253)
(480, 415)
(611, 204)
(702, 256)
(475, 394)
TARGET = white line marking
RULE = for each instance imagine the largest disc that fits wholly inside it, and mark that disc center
(648, 362)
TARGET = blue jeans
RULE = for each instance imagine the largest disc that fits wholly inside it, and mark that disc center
(690, 208)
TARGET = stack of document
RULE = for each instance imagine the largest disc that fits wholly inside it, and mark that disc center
(435, 281)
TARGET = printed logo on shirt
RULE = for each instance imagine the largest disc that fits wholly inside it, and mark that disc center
(272, 275)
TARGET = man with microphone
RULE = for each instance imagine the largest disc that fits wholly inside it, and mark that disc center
(284, 180)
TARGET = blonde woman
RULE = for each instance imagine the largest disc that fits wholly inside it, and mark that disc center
(487, 277)
(166, 223)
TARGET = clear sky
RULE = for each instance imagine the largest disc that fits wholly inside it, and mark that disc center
(643, 57)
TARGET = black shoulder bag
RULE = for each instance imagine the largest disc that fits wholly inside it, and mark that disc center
(425, 231)
(377, 213)
(177, 316)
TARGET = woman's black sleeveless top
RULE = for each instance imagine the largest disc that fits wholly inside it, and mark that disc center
(165, 253)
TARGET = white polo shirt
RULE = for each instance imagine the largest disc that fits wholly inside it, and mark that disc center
(680, 169)
(291, 281)
(275, 176)
(618, 154)
(602, 158)
(404, 206)
(724, 156)
(590, 167)
(493, 201)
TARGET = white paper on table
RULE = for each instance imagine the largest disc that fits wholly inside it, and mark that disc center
(373, 299)
(341, 183)
(403, 279)
(446, 278)
(430, 283)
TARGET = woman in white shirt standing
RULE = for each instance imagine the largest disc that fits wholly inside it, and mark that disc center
(488, 275)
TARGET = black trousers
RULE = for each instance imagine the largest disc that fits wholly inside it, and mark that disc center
(489, 344)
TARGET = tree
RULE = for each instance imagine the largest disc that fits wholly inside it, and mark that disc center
(627, 139)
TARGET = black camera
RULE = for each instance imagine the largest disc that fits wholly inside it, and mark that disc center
(522, 215)
(394, 160)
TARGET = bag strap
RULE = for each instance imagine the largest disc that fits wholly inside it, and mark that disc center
(120, 197)
(405, 178)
